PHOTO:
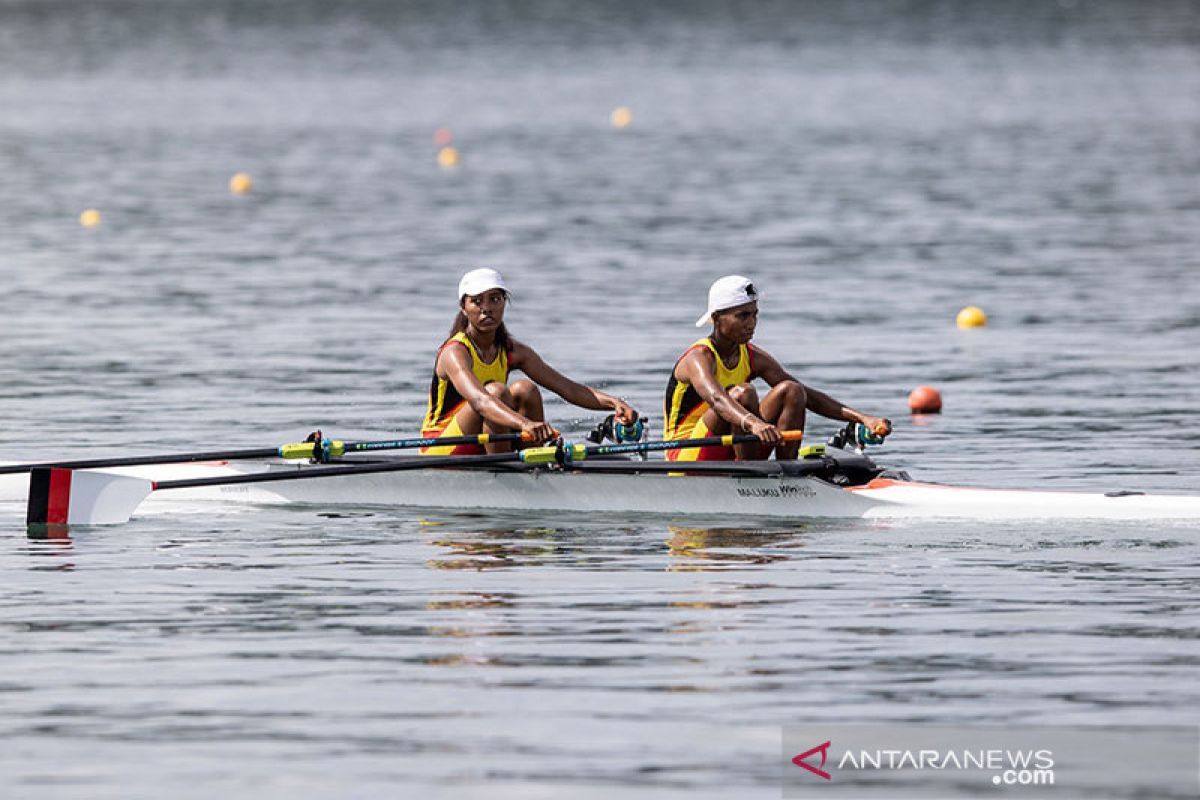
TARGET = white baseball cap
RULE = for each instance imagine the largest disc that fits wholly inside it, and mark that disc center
(478, 281)
(728, 292)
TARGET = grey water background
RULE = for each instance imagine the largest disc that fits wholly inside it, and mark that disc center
(873, 166)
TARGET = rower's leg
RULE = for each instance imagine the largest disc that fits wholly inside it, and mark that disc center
(744, 395)
(516, 397)
(470, 422)
(527, 400)
(784, 407)
(521, 396)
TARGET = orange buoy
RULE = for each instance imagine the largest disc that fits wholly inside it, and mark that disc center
(442, 137)
(925, 400)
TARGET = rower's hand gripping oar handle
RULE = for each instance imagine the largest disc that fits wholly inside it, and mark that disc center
(619, 432)
(857, 435)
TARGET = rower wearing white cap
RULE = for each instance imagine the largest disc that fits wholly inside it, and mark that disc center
(470, 393)
(710, 391)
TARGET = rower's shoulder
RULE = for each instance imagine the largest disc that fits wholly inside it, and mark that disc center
(516, 350)
(452, 354)
(448, 345)
(759, 358)
(697, 356)
(702, 349)
(757, 352)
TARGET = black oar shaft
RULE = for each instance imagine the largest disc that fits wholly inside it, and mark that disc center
(329, 472)
(301, 450)
(134, 461)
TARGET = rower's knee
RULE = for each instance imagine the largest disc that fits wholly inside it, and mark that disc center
(744, 395)
(792, 393)
(501, 392)
(524, 390)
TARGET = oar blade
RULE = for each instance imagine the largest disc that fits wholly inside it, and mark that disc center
(83, 497)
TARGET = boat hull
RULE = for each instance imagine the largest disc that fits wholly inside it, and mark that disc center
(780, 495)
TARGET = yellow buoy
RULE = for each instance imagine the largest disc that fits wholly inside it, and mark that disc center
(621, 117)
(971, 317)
(89, 218)
(240, 183)
(447, 157)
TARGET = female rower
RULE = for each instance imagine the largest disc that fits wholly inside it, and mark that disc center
(470, 393)
(710, 394)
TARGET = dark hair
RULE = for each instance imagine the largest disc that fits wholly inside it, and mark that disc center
(503, 340)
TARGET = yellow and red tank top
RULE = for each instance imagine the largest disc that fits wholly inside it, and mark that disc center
(683, 407)
(445, 401)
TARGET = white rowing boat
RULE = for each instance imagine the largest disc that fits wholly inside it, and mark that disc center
(838, 484)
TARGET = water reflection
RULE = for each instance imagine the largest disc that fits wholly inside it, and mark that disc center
(50, 541)
(496, 548)
(705, 549)
(688, 548)
(482, 620)
(48, 532)
(473, 600)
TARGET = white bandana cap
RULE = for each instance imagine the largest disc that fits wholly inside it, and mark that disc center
(728, 292)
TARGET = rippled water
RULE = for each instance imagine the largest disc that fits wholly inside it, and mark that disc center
(874, 167)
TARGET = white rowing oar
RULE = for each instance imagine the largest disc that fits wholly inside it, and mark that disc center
(63, 496)
(322, 449)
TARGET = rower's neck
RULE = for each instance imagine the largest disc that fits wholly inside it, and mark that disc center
(724, 347)
(485, 343)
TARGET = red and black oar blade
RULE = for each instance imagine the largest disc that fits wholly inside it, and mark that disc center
(49, 496)
(83, 497)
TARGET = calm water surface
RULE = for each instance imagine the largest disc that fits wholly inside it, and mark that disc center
(874, 168)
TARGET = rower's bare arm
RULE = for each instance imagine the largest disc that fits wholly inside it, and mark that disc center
(826, 406)
(770, 370)
(819, 402)
(455, 366)
(526, 359)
